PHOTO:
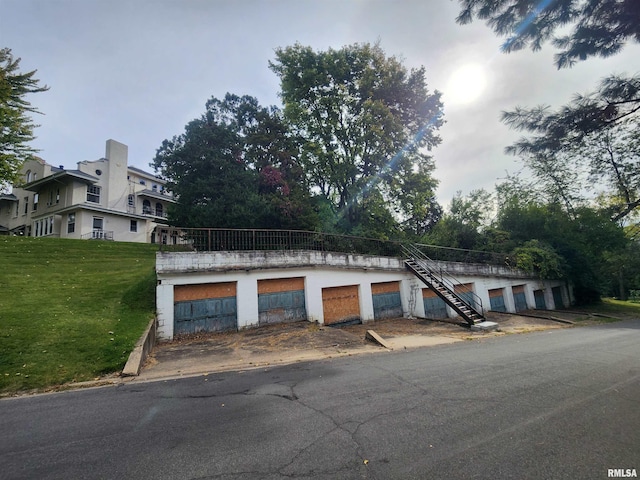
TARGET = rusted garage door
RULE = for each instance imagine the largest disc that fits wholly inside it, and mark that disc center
(519, 297)
(281, 300)
(434, 306)
(386, 300)
(205, 307)
(496, 298)
(341, 304)
(465, 292)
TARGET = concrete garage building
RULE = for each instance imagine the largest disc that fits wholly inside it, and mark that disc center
(229, 290)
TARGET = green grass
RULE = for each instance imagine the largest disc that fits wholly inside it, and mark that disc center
(70, 310)
(617, 308)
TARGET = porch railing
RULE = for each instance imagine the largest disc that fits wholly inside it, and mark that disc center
(98, 235)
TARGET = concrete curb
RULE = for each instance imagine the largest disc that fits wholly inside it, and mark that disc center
(141, 351)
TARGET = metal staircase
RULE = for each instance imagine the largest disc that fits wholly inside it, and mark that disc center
(443, 285)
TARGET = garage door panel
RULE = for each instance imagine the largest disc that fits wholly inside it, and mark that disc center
(210, 315)
(279, 307)
(341, 304)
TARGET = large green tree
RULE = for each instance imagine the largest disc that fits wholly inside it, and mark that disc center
(16, 125)
(363, 119)
(233, 168)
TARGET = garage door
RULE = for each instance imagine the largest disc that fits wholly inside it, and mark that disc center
(557, 297)
(538, 295)
(496, 298)
(281, 300)
(386, 300)
(519, 298)
(341, 304)
(465, 292)
(434, 306)
(208, 307)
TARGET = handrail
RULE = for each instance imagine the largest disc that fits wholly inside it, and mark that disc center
(98, 235)
(218, 239)
(445, 278)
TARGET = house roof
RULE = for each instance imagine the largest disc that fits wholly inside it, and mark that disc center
(59, 177)
(147, 174)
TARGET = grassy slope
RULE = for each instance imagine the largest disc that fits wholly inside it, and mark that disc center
(70, 310)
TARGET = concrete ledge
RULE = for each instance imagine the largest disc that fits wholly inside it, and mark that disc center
(374, 337)
(141, 351)
(484, 326)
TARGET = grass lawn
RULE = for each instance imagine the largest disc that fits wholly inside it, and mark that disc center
(615, 308)
(70, 310)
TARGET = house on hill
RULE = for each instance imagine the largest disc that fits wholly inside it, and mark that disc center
(101, 199)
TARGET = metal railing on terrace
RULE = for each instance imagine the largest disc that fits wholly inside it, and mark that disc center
(219, 239)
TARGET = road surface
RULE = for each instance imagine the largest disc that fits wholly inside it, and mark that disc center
(561, 404)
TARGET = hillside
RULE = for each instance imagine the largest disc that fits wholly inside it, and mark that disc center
(70, 310)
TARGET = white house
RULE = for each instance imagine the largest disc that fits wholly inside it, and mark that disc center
(101, 199)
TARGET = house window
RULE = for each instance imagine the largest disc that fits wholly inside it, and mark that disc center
(58, 195)
(142, 182)
(71, 223)
(130, 200)
(146, 207)
(133, 227)
(17, 212)
(28, 176)
(98, 222)
(26, 205)
(93, 193)
(159, 210)
(35, 202)
(154, 187)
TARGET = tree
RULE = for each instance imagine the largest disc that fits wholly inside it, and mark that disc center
(590, 28)
(361, 118)
(16, 126)
(580, 145)
(463, 225)
(231, 169)
(595, 28)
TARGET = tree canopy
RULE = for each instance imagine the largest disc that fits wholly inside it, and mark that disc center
(364, 120)
(593, 28)
(233, 168)
(591, 142)
(16, 126)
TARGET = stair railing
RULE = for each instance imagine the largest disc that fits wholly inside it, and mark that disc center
(442, 276)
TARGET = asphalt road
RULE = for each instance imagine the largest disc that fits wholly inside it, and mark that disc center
(561, 404)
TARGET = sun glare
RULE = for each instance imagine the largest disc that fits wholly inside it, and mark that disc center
(466, 84)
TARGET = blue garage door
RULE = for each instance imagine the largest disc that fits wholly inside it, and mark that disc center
(280, 307)
(434, 306)
(519, 298)
(496, 299)
(206, 315)
(538, 295)
(387, 305)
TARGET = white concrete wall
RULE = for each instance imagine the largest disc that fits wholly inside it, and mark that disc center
(320, 270)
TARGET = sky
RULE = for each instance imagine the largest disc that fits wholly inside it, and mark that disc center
(137, 71)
